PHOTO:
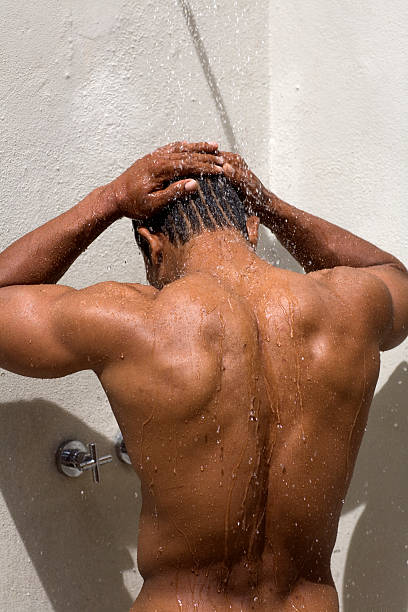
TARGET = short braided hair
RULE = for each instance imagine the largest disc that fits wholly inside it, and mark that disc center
(214, 205)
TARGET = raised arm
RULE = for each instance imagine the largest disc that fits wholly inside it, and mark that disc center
(45, 254)
(319, 245)
(34, 337)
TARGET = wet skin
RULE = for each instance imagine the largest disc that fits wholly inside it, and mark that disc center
(242, 390)
(242, 393)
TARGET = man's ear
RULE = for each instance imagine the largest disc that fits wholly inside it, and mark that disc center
(252, 224)
(155, 244)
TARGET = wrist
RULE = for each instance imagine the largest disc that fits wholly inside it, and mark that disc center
(268, 206)
(107, 203)
(120, 193)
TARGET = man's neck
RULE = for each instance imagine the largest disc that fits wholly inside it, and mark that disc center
(224, 254)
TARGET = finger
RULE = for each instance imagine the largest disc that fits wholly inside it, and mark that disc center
(231, 172)
(199, 157)
(237, 173)
(189, 167)
(233, 158)
(237, 178)
(191, 147)
(173, 192)
(228, 155)
(172, 147)
(200, 147)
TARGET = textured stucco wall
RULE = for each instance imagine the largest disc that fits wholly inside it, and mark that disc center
(312, 94)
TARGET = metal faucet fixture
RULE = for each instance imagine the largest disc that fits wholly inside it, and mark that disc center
(73, 458)
(121, 450)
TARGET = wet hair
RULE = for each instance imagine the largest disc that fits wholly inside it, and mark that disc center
(214, 205)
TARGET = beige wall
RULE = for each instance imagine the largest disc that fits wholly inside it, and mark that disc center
(312, 94)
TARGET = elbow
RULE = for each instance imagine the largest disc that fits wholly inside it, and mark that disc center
(399, 266)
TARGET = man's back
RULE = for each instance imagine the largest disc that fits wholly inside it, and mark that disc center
(243, 423)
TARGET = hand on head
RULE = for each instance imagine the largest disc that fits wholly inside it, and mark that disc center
(249, 187)
(144, 187)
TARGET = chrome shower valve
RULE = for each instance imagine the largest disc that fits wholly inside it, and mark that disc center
(73, 458)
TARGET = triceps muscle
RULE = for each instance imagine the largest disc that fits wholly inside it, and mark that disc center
(30, 339)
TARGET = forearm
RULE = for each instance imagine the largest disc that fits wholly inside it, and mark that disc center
(45, 254)
(316, 243)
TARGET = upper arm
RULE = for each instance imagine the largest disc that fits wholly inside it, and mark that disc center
(49, 331)
(392, 281)
(379, 296)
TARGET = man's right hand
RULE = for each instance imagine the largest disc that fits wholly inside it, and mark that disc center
(144, 187)
(249, 187)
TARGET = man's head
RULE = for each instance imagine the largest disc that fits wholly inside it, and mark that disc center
(214, 206)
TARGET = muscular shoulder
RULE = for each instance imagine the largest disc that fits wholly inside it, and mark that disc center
(100, 317)
(124, 305)
(112, 291)
(130, 315)
(356, 294)
(108, 299)
(351, 284)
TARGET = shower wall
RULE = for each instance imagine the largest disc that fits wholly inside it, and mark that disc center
(312, 95)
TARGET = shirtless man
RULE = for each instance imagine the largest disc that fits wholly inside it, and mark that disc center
(241, 389)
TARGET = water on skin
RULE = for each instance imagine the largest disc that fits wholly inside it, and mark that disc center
(356, 418)
(144, 424)
(297, 375)
(252, 419)
(289, 310)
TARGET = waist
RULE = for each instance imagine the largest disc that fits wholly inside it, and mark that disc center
(217, 588)
(241, 555)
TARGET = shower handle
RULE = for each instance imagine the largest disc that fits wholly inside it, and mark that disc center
(94, 462)
(73, 458)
